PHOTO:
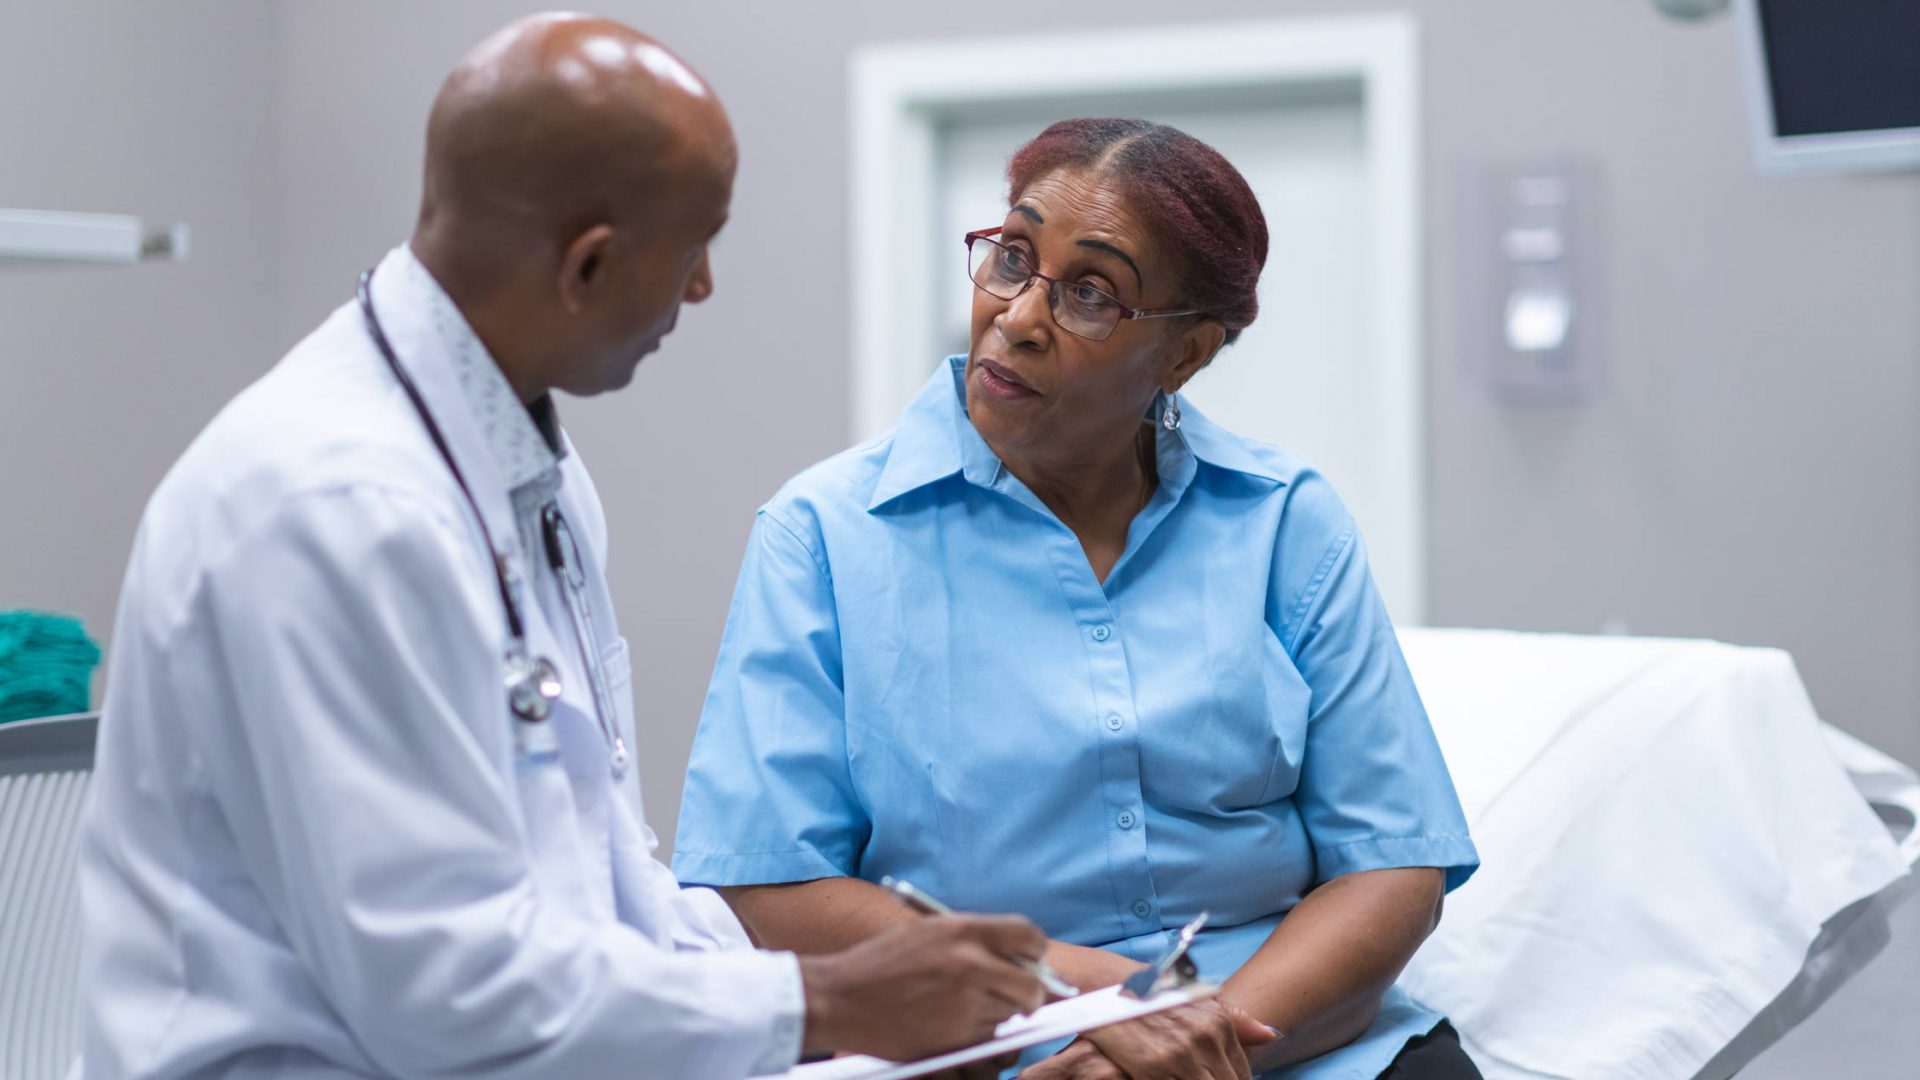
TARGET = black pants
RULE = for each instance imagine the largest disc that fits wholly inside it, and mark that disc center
(1433, 1056)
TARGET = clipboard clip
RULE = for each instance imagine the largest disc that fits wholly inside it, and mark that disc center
(1174, 969)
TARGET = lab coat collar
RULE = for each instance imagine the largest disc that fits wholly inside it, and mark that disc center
(488, 431)
(520, 447)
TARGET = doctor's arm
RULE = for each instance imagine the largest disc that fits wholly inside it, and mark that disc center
(364, 765)
(358, 748)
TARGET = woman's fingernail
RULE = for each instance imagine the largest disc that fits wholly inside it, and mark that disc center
(1275, 1030)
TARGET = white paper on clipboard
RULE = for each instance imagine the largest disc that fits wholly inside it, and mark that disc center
(1093, 1009)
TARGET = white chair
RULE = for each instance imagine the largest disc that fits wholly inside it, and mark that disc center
(44, 769)
(1680, 862)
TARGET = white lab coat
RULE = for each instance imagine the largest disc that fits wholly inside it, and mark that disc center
(310, 849)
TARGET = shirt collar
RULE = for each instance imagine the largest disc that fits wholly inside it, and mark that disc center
(1214, 445)
(935, 439)
(526, 443)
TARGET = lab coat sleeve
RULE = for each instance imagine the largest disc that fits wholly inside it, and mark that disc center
(1374, 791)
(702, 920)
(769, 795)
(357, 744)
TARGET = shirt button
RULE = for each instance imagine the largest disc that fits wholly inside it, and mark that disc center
(1102, 632)
(1142, 909)
(1125, 820)
(1114, 723)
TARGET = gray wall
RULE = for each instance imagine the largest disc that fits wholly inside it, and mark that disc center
(1751, 470)
(161, 110)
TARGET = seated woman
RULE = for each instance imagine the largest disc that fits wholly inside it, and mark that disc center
(1058, 645)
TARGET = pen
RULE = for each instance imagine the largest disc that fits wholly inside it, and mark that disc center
(927, 905)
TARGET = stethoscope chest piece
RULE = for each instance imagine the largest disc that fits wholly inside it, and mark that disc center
(533, 685)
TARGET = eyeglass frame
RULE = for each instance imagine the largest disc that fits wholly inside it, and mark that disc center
(1126, 313)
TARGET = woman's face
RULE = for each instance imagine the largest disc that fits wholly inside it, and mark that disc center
(1032, 387)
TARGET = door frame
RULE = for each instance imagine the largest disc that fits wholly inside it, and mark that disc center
(900, 93)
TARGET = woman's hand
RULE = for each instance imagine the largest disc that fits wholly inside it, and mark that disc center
(1204, 1041)
(1081, 1060)
(989, 1069)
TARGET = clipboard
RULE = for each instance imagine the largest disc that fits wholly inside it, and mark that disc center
(1070, 1016)
(1168, 982)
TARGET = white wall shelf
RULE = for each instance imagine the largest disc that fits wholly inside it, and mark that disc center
(49, 237)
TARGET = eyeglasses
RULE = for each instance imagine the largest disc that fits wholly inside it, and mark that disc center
(1004, 272)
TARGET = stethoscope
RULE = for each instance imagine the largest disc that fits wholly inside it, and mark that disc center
(532, 682)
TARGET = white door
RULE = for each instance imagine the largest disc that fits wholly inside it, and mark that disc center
(1328, 372)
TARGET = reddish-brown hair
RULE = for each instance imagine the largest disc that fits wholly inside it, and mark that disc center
(1195, 202)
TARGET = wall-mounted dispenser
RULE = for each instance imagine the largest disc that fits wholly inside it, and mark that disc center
(1540, 338)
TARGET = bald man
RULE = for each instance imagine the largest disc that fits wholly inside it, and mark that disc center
(365, 801)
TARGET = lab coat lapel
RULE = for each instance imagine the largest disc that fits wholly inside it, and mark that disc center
(423, 355)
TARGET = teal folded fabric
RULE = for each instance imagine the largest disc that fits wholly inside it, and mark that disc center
(46, 665)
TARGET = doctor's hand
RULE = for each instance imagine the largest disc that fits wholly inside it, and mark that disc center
(1208, 1039)
(922, 986)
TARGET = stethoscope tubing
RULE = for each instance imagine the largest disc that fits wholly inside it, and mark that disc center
(533, 683)
(516, 626)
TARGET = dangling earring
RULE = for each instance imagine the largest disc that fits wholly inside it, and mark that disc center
(1170, 414)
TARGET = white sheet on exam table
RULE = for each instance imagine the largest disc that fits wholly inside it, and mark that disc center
(1663, 829)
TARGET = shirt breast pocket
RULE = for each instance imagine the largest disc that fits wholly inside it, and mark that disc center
(1288, 700)
(1241, 742)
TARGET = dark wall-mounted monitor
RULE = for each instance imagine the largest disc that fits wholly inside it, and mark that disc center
(1835, 84)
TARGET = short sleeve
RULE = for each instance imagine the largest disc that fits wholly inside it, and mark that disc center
(1374, 791)
(769, 797)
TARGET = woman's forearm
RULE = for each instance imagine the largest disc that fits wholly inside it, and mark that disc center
(1089, 968)
(808, 917)
(1320, 975)
(831, 914)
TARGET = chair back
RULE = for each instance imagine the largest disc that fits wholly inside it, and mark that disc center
(44, 769)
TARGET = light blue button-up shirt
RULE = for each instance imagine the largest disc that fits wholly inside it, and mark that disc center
(922, 677)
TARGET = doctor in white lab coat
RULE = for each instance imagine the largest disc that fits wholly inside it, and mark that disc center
(320, 843)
